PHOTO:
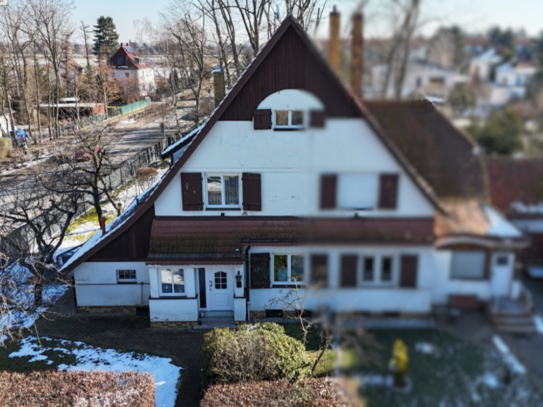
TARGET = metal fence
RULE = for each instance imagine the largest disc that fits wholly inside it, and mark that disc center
(140, 104)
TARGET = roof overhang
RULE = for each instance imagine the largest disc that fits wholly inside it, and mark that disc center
(488, 242)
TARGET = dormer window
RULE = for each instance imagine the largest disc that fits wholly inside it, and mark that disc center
(289, 119)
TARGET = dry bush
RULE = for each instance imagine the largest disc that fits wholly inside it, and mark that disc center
(77, 389)
(323, 392)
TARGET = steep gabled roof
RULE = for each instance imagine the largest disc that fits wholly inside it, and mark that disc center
(444, 156)
(131, 59)
(288, 41)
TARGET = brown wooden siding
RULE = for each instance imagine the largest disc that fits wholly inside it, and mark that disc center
(291, 64)
(132, 245)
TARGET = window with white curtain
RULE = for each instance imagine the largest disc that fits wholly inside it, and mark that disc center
(223, 190)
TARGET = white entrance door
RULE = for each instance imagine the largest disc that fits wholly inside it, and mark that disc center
(220, 289)
(502, 273)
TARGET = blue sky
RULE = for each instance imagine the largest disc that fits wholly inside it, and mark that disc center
(471, 15)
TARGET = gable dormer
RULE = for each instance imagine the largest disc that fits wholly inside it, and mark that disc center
(289, 109)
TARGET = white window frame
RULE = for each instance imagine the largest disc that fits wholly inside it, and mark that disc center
(289, 125)
(378, 271)
(371, 177)
(223, 198)
(173, 294)
(125, 280)
(289, 269)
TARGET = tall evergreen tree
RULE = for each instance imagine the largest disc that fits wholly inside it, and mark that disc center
(106, 39)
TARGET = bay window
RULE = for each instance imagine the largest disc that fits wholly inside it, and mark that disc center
(172, 281)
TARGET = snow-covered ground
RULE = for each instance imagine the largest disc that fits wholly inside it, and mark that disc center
(538, 322)
(88, 358)
(508, 357)
(24, 165)
(15, 286)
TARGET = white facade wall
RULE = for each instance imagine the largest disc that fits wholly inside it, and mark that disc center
(291, 176)
(96, 284)
(377, 297)
(145, 79)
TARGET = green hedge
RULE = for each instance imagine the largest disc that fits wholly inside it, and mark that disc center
(254, 353)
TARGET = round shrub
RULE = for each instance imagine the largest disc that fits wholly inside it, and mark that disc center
(253, 353)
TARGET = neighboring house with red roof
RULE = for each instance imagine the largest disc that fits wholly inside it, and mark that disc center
(516, 187)
(135, 74)
(293, 183)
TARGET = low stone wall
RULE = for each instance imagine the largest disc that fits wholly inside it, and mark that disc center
(108, 310)
(185, 325)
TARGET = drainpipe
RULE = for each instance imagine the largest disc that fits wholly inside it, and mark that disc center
(247, 285)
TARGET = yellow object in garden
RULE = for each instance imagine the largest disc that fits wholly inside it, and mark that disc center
(399, 362)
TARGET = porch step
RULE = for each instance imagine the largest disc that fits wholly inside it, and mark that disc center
(522, 324)
(208, 323)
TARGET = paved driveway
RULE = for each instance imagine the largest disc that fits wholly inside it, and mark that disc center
(132, 333)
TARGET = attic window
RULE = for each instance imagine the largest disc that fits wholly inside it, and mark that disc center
(120, 61)
(136, 60)
(289, 119)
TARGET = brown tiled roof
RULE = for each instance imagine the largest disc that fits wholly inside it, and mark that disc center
(440, 153)
(515, 180)
(224, 238)
(464, 217)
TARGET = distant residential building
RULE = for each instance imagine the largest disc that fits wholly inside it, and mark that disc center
(421, 78)
(481, 66)
(510, 82)
(135, 74)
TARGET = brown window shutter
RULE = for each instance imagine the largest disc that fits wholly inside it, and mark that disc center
(328, 191)
(260, 270)
(191, 191)
(252, 192)
(263, 119)
(319, 270)
(388, 191)
(317, 118)
(348, 270)
(408, 271)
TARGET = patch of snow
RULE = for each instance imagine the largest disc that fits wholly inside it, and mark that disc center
(527, 208)
(490, 380)
(425, 347)
(535, 272)
(376, 380)
(89, 358)
(26, 165)
(538, 322)
(508, 357)
(23, 293)
(128, 121)
(499, 226)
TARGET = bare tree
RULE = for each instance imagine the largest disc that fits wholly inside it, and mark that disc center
(189, 43)
(51, 18)
(405, 17)
(91, 165)
(33, 221)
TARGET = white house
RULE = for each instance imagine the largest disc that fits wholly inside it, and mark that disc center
(293, 183)
(481, 66)
(510, 82)
(135, 74)
(422, 78)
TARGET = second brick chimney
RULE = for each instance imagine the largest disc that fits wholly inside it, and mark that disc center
(357, 57)
(218, 85)
(334, 50)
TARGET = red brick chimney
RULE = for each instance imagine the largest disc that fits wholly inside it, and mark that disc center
(334, 51)
(103, 225)
(357, 56)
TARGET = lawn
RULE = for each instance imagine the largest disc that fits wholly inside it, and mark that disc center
(458, 373)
